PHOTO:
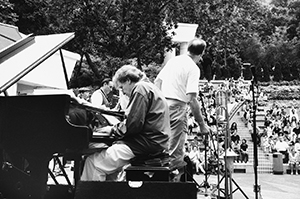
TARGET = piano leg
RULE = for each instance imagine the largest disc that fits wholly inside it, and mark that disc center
(61, 167)
(78, 167)
(38, 177)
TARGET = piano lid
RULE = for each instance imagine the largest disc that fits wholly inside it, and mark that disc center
(22, 59)
(8, 35)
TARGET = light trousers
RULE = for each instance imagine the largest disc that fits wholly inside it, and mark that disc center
(179, 129)
(107, 164)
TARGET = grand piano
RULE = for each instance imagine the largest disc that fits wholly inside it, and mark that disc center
(34, 127)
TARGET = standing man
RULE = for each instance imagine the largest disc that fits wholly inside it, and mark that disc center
(179, 82)
(99, 97)
(145, 131)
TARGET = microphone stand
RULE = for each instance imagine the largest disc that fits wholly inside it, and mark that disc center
(254, 137)
(205, 183)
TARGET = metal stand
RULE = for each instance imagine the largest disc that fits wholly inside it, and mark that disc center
(254, 137)
(226, 194)
(205, 183)
(223, 124)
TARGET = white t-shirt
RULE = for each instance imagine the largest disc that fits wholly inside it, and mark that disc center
(179, 76)
(297, 147)
(97, 99)
(281, 146)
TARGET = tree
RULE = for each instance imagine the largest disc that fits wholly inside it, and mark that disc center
(32, 17)
(293, 30)
(109, 32)
(225, 25)
(104, 29)
(234, 67)
(7, 14)
(123, 29)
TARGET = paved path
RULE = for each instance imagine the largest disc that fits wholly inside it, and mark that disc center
(272, 186)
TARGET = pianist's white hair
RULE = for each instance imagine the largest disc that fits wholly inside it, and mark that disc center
(127, 72)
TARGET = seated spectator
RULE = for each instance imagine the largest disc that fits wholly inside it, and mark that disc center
(202, 158)
(269, 130)
(282, 146)
(293, 161)
(212, 122)
(267, 121)
(247, 115)
(294, 121)
(276, 110)
(213, 143)
(265, 144)
(287, 130)
(235, 137)
(193, 128)
(296, 131)
(84, 93)
(194, 156)
(269, 144)
(277, 121)
(297, 145)
(243, 151)
(236, 148)
(99, 98)
(233, 128)
(196, 141)
(276, 129)
(283, 111)
(293, 114)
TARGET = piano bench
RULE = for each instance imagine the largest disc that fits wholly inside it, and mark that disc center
(147, 173)
(153, 167)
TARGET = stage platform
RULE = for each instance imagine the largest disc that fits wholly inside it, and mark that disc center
(272, 186)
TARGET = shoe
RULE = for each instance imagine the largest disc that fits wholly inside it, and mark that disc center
(175, 172)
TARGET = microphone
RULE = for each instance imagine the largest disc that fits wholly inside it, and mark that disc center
(253, 71)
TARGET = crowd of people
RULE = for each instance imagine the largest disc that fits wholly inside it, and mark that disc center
(237, 92)
(282, 133)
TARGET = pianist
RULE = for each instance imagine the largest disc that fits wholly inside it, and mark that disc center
(145, 131)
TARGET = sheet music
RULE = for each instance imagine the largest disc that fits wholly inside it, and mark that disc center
(103, 132)
(97, 134)
(112, 119)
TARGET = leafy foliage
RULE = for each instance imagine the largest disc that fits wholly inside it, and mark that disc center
(123, 29)
(7, 13)
(113, 32)
(31, 16)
